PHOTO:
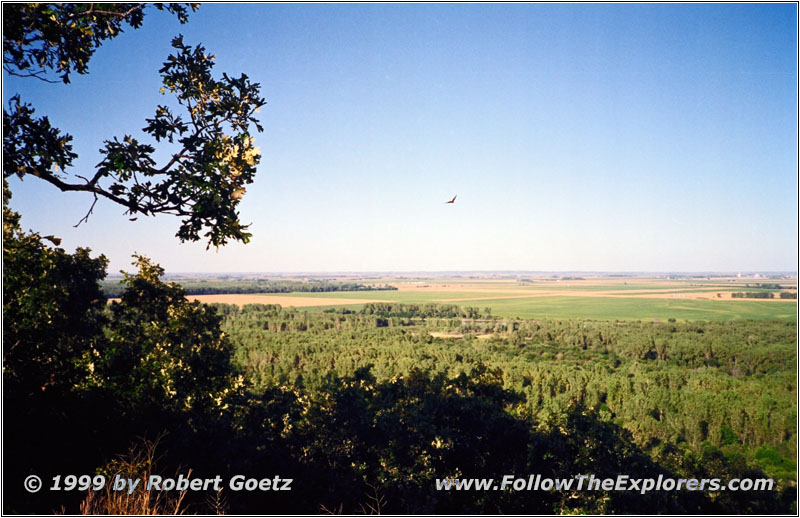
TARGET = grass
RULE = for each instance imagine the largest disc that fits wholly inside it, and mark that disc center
(595, 308)
(139, 464)
(606, 308)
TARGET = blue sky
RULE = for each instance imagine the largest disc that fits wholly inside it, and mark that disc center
(612, 137)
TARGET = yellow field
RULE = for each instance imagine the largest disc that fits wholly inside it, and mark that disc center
(502, 289)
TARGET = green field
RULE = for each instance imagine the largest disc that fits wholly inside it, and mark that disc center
(608, 308)
(594, 308)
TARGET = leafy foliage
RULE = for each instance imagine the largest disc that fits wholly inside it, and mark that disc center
(729, 385)
(39, 38)
(162, 350)
(202, 182)
(81, 380)
(52, 310)
(31, 145)
(360, 445)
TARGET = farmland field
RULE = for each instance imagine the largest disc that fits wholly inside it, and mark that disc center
(594, 299)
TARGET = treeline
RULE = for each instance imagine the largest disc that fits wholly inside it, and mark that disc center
(387, 309)
(762, 295)
(728, 386)
(113, 289)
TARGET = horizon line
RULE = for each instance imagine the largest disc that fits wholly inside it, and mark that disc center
(733, 273)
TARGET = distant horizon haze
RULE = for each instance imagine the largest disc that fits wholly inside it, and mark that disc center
(487, 273)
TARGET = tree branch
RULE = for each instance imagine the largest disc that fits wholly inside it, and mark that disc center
(85, 219)
(64, 186)
(120, 15)
(172, 161)
(92, 10)
(35, 75)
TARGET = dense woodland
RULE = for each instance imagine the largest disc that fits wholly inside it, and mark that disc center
(726, 385)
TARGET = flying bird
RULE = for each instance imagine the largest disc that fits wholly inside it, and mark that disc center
(453, 200)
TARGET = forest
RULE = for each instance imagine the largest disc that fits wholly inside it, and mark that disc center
(721, 385)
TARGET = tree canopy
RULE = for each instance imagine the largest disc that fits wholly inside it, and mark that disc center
(212, 156)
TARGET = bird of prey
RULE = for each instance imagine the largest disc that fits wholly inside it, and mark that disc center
(453, 200)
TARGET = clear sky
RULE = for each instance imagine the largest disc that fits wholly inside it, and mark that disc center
(611, 137)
